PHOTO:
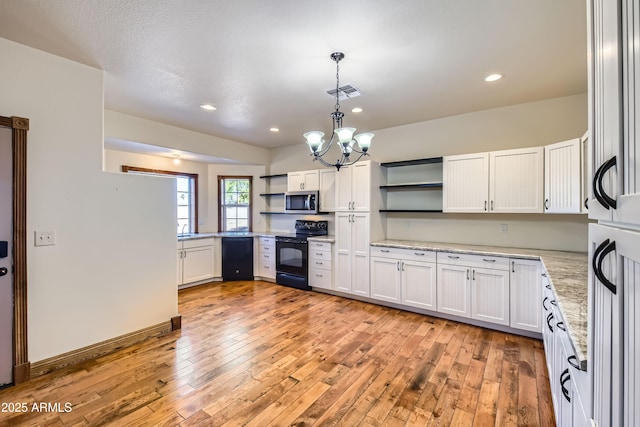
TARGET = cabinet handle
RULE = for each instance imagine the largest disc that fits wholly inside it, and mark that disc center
(586, 203)
(598, 256)
(543, 303)
(398, 265)
(266, 267)
(554, 302)
(474, 274)
(467, 274)
(319, 253)
(488, 260)
(419, 253)
(492, 205)
(318, 275)
(402, 265)
(549, 319)
(453, 257)
(266, 256)
(598, 190)
(384, 250)
(485, 205)
(544, 274)
(513, 266)
(318, 263)
(564, 377)
(573, 361)
(546, 204)
(561, 326)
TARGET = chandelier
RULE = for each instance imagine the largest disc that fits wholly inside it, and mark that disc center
(343, 137)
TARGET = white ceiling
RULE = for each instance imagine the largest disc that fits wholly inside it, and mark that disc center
(266, 63)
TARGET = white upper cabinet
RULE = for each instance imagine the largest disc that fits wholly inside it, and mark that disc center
(507, 181)
(465, 183)
(354, 187)
(585, 172)
(327, 196)
(562, 177)
(614, 114)
(516, 180)
(303, 181)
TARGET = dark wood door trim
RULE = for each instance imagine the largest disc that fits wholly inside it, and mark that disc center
(21, 364)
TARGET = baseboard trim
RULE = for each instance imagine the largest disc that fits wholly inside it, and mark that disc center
(100, 349)
(21, 373)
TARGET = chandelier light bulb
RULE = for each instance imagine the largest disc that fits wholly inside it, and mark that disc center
(364, 140)
(345, 135)
(314, 140)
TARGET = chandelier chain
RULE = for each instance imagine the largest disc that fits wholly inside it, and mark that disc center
(338, 85)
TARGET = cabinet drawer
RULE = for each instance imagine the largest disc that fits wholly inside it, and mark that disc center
(267, 269)
(319, 254)
(196, 243)
(266, 257)
(404, 254)
(266, 241)
(320, 264)
(479, 261)
(320, 246)
(266, 249)
(319, 278)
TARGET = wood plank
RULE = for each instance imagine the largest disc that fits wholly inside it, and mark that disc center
(255, 353)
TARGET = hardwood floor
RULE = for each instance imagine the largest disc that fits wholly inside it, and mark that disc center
(259, 354)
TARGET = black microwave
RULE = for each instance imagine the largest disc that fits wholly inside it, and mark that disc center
(301, 202)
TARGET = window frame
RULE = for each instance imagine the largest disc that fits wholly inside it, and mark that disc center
(193, 176)
(221, 179)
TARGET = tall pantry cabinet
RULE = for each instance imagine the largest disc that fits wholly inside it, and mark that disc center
(357, 195)
(614, 243)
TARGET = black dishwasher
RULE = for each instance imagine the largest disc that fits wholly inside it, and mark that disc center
(237, 258)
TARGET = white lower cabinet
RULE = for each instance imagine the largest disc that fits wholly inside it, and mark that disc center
(352, 253)
(195, 260)
(473, 286)
(320, 265)
(570, 386)
(404, 276)
(525, 294)
(266, 258)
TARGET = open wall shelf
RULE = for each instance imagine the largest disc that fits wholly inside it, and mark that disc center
(419, 185)
(414, 162)
(279, 175)
(271, 194)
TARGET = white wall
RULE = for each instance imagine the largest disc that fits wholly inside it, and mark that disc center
(114, 159)
(121, 126)
(112, 270)
(524, 125)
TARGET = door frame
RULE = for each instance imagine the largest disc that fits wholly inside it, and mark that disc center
(19, 127)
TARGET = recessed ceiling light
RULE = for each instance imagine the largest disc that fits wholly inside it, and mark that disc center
(274, 129)
(208, 107)
(493, 77)
(357, 110)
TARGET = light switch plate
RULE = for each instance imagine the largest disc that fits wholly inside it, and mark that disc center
(45, 238)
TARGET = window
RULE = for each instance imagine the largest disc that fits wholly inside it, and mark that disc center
(187, 196)
(234, 203)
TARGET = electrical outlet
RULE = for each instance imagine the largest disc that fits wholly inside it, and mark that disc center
(45, 238)
(504, 228)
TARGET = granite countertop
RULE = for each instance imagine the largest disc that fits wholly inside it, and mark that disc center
(567, 272)
(194, 236)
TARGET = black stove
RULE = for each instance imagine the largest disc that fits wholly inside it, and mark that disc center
(306, 229)
(292, 267)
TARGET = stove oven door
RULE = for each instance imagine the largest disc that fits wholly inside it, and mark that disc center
(291, 257)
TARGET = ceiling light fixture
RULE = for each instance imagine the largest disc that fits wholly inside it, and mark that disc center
(274, 129)
(343, 136)
(357, 110)
(176, 159)
(208, 107)
(493, 77)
